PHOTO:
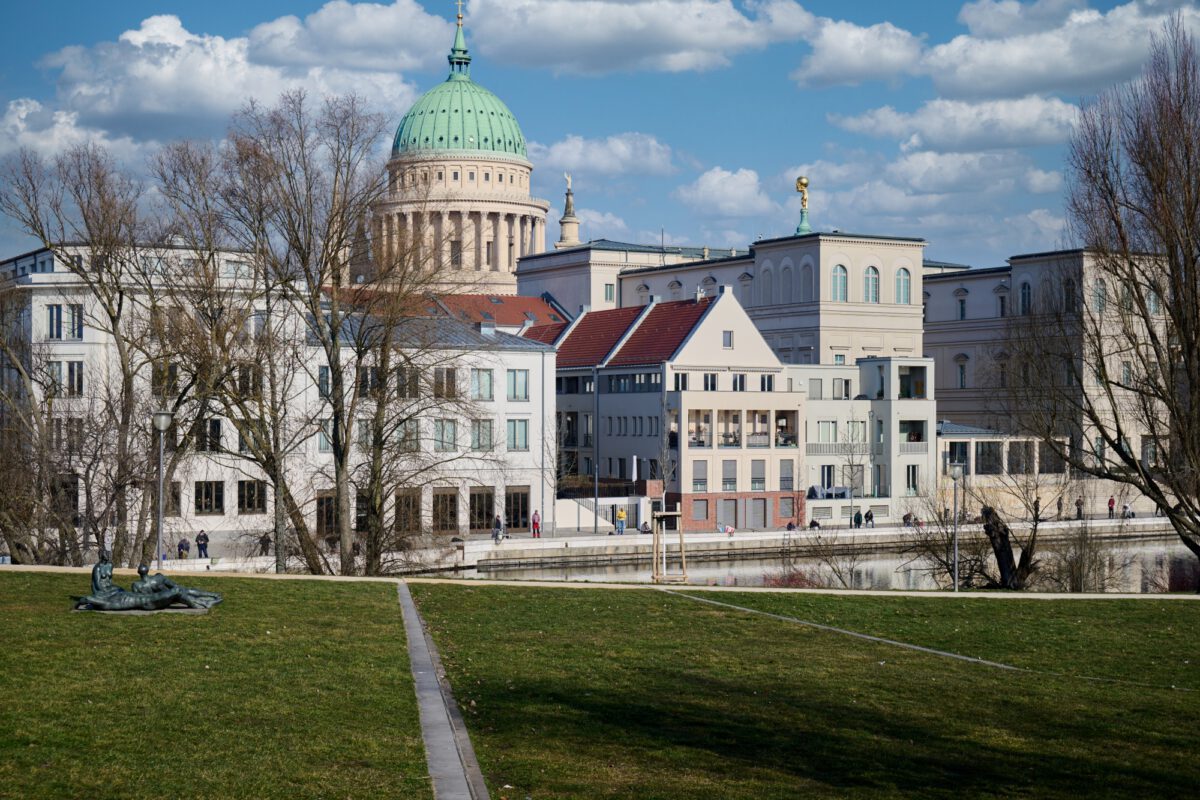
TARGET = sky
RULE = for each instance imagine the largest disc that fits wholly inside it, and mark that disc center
(683, 120)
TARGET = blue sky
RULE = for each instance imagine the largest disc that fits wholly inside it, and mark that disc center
(943, 120)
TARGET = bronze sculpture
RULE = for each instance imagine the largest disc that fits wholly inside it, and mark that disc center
(149, 593)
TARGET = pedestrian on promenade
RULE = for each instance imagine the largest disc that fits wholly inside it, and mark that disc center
(184, 547)
(1112, 506)
(536, 524)
(1126, 511)
(202, 545)
(869, 518)
(791, 526)
(621, 521)
(858, 519)
(497, 529)
(1079, 508)
(1060, 508)
(264, 544)
(1037, 510)
(814, 525)
(645, 526)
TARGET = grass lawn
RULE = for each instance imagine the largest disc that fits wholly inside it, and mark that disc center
(638, 694)
(288, 689)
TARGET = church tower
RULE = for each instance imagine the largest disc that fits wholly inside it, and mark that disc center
(458, 184)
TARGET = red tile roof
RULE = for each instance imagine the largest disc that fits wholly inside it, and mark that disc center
(661, 333)
(546, 334)
(596, 333)
(510, 310)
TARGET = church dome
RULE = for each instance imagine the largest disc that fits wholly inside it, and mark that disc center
(459, 115)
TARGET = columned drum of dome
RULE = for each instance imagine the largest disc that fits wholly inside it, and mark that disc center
(459, 185)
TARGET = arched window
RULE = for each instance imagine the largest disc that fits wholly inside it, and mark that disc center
(768, 289)
(1026, 298)
(903, 287)
(806, 283)
(871, 286)
(840, 289)
(785, 285)
(1100, 297)
(676, 289)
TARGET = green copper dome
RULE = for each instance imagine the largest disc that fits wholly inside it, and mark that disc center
(459, 114)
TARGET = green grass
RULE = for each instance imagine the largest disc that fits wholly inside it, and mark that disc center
(288, 689)
(589, 693)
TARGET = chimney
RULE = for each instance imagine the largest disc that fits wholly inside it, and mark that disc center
(486, 328)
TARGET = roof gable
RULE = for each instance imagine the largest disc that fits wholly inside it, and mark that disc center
(661, 333)
(594, 336)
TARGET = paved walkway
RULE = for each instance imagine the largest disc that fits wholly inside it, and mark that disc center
(453, 767)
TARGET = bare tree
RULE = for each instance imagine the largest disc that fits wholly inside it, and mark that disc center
(1110, 356)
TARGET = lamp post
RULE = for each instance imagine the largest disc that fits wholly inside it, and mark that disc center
(162, 423)
(956, 473)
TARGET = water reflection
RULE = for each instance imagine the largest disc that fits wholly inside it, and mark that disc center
(1139, 567)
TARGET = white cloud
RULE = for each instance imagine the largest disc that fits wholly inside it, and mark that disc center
(823, 174)
(1041, 182)
(600, 224)
(721, 193)
(371, 36)
(26, 123)
(927, 171)
(845, 53)
(624, 153)
(162, 81)
(600, 36)
(993, 19)
(1086, 51)
(949, 125)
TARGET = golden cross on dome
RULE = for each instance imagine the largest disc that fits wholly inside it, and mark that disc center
(459, 3)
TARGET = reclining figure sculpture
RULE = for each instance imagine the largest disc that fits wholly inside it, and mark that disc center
(150, 593)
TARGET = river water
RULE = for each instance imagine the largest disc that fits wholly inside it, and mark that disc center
(1144, 566)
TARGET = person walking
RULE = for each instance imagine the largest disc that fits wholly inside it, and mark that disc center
(1126, 511)
(1037, 510)
(184, 547)
(1060, 504)
(497, 529)
(858, 519)
(869, 518)
(202, 545)
(264, 544)
(1112, 506)
(536, 524)
(621, 521)
(1079, 508)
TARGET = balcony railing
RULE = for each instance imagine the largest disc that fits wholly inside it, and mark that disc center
(785, 484)
(699, 441)
(587, 440)
(836, 448)
(730, 439)
(758, 440)
(785, 440)
(699, 486)
(728, 486)
(913, 448)
(758, 484)
(570, 441)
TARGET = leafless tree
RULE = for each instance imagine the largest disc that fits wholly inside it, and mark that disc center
(1110, 355)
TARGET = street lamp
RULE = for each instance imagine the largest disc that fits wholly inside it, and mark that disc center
(162, 423)
(956, 473)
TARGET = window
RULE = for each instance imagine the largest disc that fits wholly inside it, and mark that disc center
(912, 478)
(368, 380)
(470, 176)
(710, 381)
(699, 509)
(207, 436)
(325, 437)
(210, 497)
(255, 430)
(758, 475)
(481, 434)
(839, 359)
(1069, 301)
(699, 476)
(323, 382)
(445, 509)
(1025, 307)
(727, 339)
(840, 289)
(481, 508)
(326, 515)
(247, 381)
(729, 476)
(827, 431)
(786, 475)
(74, 379)
(516, 508)
(1100, 297)
(363, 432)
(444, 383)
(787, 507)
(815, 389)
(962, 376)
(1003, 304)
(903, 287)
(406, 436)
(481, 384)
(766, 383)
(681, 381)
(408, 512)
(454, 175)
(408, 383)
(173, 506)
(518, 384)
(1127, 373)
(445, 435)
(610, 292)
(1153, 304)
(871, 286)
(739, 382)
(164, 379)
(54, 322)
(252, 497)
(962, 308)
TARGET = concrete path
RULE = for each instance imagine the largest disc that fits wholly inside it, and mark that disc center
(453, 767)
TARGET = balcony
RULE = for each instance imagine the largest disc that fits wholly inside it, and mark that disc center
(786, 439)
(914, 448)
(730, 439)
(728, 485)
(758, 440)
(836, 448)
(699, 441)
(699, 486)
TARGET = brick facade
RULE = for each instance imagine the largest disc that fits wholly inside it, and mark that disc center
(743, 509)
